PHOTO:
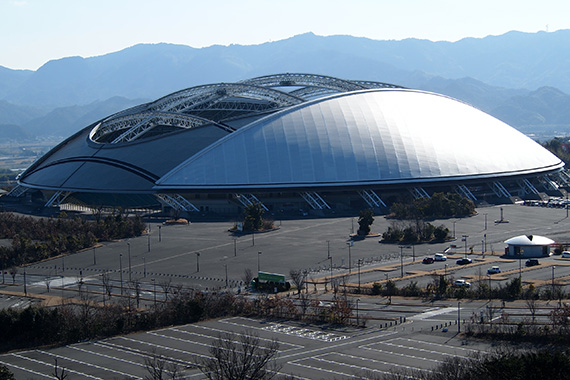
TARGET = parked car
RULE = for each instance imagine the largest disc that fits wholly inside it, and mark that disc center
(493, 270)
(428, 260)
(531, 262)
(464, 261)
(461, 284)
(566, 254)
(439, 257)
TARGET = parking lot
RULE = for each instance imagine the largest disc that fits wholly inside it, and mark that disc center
(305, 352)
(399, 335)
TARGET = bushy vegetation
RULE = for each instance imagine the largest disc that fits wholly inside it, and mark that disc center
(37, 325)
(35, 239)
(559, 147)
(503, 363)
(253, 219)
(439, 205)
(365, 220)
(415, 232)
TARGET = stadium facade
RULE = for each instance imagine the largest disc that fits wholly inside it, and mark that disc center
(292, 142)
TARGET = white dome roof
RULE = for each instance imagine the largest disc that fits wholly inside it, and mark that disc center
(529, 240)
(383, 136)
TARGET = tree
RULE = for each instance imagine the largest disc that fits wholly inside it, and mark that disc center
(241, 357)
(365, 220)
(5, 373)
(298, 277)
(159, 368)
(59, 373)
(247, 276)
(253, 220)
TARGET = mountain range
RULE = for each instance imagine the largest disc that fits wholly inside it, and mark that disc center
(521, 78)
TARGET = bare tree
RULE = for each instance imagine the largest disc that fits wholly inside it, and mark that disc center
(160, 368)
(59, 373)
(298, 277)
(166, 286)
(106, 280)
(13, 273)
(247, 276)
(532, 306)
(241, 357)
(136, 285)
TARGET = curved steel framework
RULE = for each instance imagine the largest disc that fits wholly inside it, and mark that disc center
(135, 126)
(205, 97)
(251, 96)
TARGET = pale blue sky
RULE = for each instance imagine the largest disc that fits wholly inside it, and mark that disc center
(36, 31)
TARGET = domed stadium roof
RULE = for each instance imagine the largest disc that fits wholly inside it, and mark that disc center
(288, 131)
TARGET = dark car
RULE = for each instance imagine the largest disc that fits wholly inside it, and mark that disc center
(531, 262)
(464, 261)
(428, 260)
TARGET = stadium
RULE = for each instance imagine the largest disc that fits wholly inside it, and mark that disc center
(295, 143)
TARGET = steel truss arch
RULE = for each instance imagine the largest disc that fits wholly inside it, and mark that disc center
(136, 125)
(305, 80)
(202, 97)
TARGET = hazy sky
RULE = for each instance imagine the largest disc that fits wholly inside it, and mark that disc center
(36, 31)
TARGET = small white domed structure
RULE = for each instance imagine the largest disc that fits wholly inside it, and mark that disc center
(525, 246)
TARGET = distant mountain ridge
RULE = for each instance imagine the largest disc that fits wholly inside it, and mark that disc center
(522, 78)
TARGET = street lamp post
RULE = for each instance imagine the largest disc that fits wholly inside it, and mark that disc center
(235, 246)
(129, 249)
(121, 270)
(458, 317)
(25, 285)
(258, 264)
(359, 263)
(197, 261)
(159, 233)
(401, 261)
(226, 268)
(330, 258)
(144, 267)
(349, 259)
(553, 267)
(357, 321)
(328, 249)
(154, 291)
(94, 258)
(464, 238)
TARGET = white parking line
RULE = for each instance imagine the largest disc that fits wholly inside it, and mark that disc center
(376, 361)
(365, 347)
(163, 347)
(320, 369)
(51, 366)
(138, 364)
(87, 364)
(434, 344)
(25, 369)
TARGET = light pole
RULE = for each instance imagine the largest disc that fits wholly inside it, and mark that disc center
(485, 222)
(129, 249)
(553, 267)
(349, 259)
(154, 291)
(258, 265)
(144, 266)
(197, 261)
(464, 238)
(445, 273)
(148, 242)
(94, 258)
(330, 258)
(235, 246)
(401, 261)
(25, 286)
(226, 268)
(62, 290)
(159, 233)
(328, 249)
(121, 270)
(458, 317)
(359, 263)
(357, 321)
